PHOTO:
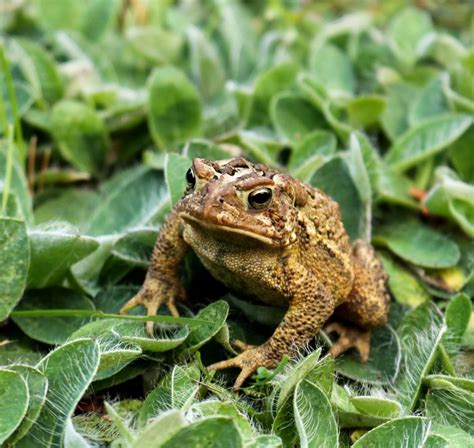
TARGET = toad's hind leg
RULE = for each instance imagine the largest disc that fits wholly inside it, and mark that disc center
(367, 304)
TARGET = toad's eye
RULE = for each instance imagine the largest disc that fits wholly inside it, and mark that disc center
(260, 198)
(190, 178)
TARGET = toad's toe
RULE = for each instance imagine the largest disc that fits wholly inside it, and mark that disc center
(349, 337)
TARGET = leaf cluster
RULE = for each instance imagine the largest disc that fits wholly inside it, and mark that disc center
(103, 105)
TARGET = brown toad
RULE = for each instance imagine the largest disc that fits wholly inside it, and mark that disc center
(261, 232)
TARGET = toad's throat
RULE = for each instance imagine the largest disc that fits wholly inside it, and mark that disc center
(225, 229)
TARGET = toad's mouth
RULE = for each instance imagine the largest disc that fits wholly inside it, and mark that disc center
(226, 229)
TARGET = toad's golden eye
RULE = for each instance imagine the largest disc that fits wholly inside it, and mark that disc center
(190, 178)
(260, 198)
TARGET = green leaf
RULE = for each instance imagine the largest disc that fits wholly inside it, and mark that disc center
(80, 134)
(453, 199)
(214, 408)
(322, 375)
(239, 39)
(52, 330)
(119, 423)
(110, 299)
(205, 149)
(175, 175)
(430, 102)
(14, 402)
(296, 374)
(268, 441)
(175, 391)
(384, 360)
(96, 427)
(51, 17)
(311, 153)
(405, 32)
(453, 436)
(426, 139)
(174, 108)
(267, 85)
(294, 117)
(438, 381)
(444, 48)
(18, 349)
(396, 114)
(262, 314)
(418, 244)
(216, 314)
(85, 273)
(133, 249)
(404, 286)
(457, 315)
(14, 259)
(371, 159)
(314, 419)
(115, 352)
(408, 431)
(420, 333)
(160, 429)
(72, 439)
(206, 66)
(129, 372)
(40, 70)
(99, 19)
(133, 198)
(317, 94)
(69, 370)
(284, 424)
(25, 98)
(18, 184)
(143, 39)
(460, 154)
(349, 416)
(54, 250)
(211, 432)
(37, 387)
(394, 188)
(164, 338)
(451, 407)
(360, 176)
(334, 179)
(365, 110)
(74, 206)
(378, 407)
(333, 69)
(260, 145)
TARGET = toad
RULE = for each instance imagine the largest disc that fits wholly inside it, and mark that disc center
(269, 236)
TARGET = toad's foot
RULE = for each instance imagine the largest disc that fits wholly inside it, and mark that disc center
(349, 337)
(248, 361)
(152, 295)
(241, 345)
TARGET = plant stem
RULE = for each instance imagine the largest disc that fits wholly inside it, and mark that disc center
(5, 66)
(101, 315)
(8, 170)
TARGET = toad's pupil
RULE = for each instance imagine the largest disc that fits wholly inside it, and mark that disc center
(190, 178)
(260, 198)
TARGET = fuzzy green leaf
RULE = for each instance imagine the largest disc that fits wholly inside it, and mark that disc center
(13, 403)
(314, 419)
(426, 139)
(174, 108)
(14, 259)
(69, 370)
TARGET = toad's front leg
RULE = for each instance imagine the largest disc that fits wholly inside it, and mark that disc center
(162, 284)
(307, 312)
